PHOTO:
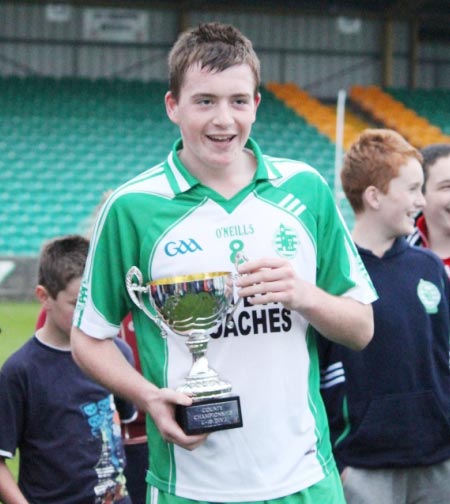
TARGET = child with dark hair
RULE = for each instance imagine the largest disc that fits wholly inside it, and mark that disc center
(433, 224)
(133, 432)
(65, 426)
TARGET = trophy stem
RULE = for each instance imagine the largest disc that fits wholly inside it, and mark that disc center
(202, 381)
(197, 344)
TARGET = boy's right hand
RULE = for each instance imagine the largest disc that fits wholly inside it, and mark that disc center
(162, 410)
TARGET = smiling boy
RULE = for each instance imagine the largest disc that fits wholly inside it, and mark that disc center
(433, 225)
(303, 273)
(389, 405)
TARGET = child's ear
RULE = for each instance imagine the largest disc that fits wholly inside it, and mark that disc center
(371, 197)
(257, 99)
(42, 294)
(171, 107)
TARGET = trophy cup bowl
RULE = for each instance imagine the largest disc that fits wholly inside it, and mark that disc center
(193, 306)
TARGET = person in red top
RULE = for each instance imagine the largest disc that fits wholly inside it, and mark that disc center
(433, 224)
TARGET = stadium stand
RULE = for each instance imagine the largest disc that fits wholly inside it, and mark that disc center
(433, 104)
(318, 114)
(388, 111)
(282, 132)
(64, 142)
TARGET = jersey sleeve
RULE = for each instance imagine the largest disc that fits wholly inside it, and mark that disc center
(103, 300)
(340, 270)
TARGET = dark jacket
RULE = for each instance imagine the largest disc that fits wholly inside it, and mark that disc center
(389, 405)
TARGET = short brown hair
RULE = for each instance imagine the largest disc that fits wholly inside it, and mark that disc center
(214, 46)
(431, 154)
(374, 160)
(61, 261)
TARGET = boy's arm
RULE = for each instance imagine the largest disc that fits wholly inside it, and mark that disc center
(340, 319)
(333, 391)
(104, 362)
(9, 490)
(126, 409)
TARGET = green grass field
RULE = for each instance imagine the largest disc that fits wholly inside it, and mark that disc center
(17, 322)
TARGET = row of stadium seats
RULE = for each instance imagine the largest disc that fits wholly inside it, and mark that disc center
(434, 105)
(322, 116)
(79, 98)
(64, 142)
(392, 113)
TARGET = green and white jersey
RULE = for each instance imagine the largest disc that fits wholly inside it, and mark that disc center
(166, 223)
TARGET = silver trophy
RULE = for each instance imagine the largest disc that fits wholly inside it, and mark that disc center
(193, 306)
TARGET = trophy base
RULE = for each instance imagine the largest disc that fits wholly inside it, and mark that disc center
(208, 415)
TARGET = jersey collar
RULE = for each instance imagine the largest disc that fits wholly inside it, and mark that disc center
(181, 180)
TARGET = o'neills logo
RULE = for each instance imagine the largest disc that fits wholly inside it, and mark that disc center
(257, 320)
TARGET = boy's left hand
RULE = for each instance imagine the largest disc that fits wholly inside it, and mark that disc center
(270, 280)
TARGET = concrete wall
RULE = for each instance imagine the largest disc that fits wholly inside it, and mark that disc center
(18, 278)
(312, 50)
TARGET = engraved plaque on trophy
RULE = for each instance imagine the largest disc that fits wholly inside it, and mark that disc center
(193, 306)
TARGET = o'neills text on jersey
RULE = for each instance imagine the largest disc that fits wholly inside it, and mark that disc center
(232, 231)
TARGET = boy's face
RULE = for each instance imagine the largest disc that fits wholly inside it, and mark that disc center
(404, 199)
(215, 112)
(437, 196)
(60, 310)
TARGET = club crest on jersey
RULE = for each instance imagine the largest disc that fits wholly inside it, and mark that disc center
(182, 247)
(286, 241)
(429, 295)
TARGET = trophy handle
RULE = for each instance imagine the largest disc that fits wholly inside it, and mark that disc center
(230, 312)
(135, 290)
